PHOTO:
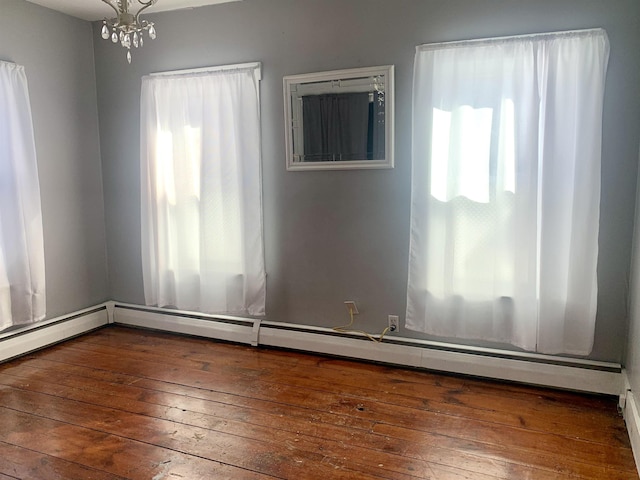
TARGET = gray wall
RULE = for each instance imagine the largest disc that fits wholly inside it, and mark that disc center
(57, 53)
(343, 235)
(632, 360)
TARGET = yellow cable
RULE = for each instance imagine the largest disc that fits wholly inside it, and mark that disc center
(347, 329)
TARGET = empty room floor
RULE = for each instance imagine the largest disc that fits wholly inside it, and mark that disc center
(135, 404)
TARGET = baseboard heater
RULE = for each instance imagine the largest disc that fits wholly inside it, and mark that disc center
(630, 408)
(28, 338)
(550, 371)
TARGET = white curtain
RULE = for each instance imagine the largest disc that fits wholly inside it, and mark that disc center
(202, 245)
(22, 275)
(506, 190)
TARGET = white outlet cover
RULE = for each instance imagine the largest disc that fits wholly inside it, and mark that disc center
(351, 306)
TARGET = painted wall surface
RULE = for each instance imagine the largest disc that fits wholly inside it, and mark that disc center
(632, 360)
(344, 235)
(57, 53)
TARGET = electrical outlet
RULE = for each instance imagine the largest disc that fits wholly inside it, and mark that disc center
(351, 307)
(394, 323)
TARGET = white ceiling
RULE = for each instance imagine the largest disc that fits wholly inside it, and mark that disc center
(97, 9)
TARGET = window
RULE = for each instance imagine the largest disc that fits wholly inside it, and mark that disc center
(506, 190)
(22, 274)
(201, 191)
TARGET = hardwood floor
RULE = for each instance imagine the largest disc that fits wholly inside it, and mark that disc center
(124, 403)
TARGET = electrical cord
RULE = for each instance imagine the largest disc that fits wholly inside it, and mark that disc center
(347, 329)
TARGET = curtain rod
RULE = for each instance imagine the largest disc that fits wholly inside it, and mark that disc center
(513, 37)
(220, 68)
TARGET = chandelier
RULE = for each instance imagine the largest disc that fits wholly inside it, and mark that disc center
(126, 27)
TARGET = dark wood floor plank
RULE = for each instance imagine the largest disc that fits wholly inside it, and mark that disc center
(231, 419)
(187, 402)
(603, 429)
(252, 412)
(23, 463)
(408, 419)
(171, 394)
(117, 455)
(356, 405)
(121, 338)
(202, 441)
(508, 453)
(456, 400)
(358, 382)
(566, 416)
(299, 444)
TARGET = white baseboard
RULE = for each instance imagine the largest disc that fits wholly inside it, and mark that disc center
(595, 377)
(39, 335)
(557, 372)
(630, 404)
(231, 329)
(632, 419)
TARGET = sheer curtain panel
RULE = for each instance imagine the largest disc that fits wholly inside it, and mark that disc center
(202, 245)
(22, 275)
(506, 190)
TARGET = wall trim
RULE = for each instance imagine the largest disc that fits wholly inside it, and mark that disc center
(219, 327)
(630, 406)
(28, 338)
(550, 371)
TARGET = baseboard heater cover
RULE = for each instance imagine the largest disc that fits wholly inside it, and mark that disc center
(219, 327)
(557, 372)
(29, 338)
(631, 413)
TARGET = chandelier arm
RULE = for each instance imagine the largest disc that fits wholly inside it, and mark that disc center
(109, 2)
(145, 5)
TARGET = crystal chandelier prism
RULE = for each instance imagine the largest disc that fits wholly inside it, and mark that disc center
(127, 27)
